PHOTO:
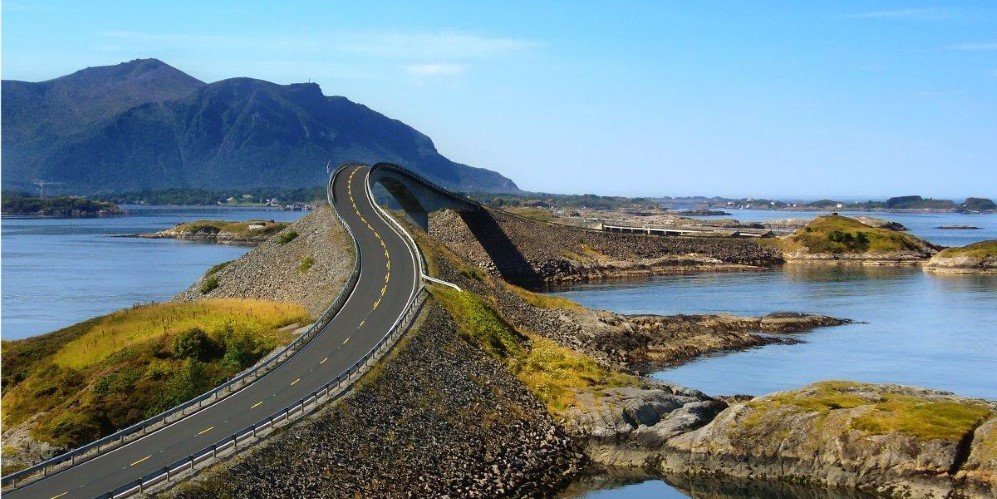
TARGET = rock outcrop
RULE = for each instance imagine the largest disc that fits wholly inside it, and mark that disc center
(532, 252)
(977, 258)
(249, 233)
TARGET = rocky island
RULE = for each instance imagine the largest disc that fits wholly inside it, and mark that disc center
(58, 207)
(250, 232)
(979, 258)
(838, 239)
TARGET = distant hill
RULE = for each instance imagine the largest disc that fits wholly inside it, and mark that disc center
(146, 125)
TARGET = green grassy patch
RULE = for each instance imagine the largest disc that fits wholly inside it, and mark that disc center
(286, 237)
(209, 284)
(539, 214)
(554, 373)
(982, 249)
(542, 300)
(838, 234)
(95, 377)
(884, 411)
(306, 263)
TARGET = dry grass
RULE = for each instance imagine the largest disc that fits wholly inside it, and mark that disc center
(238, 228)
(128, 327)
(544, 301)
(554, 373)
(90, 379)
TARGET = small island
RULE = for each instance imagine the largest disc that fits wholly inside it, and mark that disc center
(58, 207)
(976, 258)
(249, 232)
(836, 239)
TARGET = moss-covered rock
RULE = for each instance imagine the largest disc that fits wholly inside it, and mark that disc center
(841, 239)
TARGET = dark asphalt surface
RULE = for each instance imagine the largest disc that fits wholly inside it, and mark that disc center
(388, 278)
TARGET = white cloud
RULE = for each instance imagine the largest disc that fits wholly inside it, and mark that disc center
(976, 47)
(918, 13)
(434, 69)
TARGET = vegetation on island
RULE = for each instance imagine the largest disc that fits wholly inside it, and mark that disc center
(982, 249)
(90, 379)
(246, 228)
(57, 207)
(836, 234)
(887, 411)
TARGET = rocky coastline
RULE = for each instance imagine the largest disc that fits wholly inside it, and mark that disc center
(978, 258)
(249, 233)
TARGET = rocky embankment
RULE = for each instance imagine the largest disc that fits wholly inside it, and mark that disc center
(439, 418)
(248, 233)
(884, 440)
(977, 258)
(309, 268)
(533, 252)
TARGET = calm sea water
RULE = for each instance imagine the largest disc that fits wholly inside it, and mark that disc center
(916, 328)
(56, 272)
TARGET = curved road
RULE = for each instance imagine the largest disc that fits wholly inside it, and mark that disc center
(388, 279)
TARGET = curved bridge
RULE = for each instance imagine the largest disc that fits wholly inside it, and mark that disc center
(376, 307)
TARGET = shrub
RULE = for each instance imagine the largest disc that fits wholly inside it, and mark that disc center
(209, 284)
(306, 264)
(286, 237)
(195, 344)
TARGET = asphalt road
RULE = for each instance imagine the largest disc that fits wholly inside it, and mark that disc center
(388, 278)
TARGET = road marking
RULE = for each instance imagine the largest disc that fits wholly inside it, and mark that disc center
(202, 432)
(60, 495)
(324, 360)
(385, 253)
(387, 277)
(344, 341)
(378, 302)
(362, 322)
(295, 382)
(254, 406)
(140, 460)
(385, 288)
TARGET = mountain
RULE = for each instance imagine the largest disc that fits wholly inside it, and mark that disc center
(145, 125)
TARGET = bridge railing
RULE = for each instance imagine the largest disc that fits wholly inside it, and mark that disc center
(242, 440)
(138, 430)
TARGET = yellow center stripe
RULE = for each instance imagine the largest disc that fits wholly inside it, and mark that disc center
(295, 382)
(202, 432)
(140, 460)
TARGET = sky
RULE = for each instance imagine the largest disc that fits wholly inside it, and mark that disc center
(846, 99)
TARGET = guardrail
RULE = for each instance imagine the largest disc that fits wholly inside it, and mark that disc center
(170, 416)
(332, 390)
(230, 446)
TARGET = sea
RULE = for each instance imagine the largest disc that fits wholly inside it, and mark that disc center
(912, 327)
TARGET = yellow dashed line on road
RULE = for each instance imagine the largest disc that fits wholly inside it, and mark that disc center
(324, 360)
(344, 341)
(378, 302)
(202, 432)
(60, 495)
(295, 382)
(387, 277)
(384, 289)
(362, 323)
(140, 460)
(254, 406)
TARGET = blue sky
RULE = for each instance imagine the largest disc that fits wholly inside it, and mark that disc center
(751, 98)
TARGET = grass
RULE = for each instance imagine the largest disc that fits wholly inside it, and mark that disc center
(286, 237)
(90, 379)
(139, 324)
(886, 412)
(539, 214)
(306, 263)
(236, 228)
(542, 300)
(554, 373)
(838, 234)
(982, 249)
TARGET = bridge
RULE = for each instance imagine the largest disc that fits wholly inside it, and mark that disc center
(377, 305)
